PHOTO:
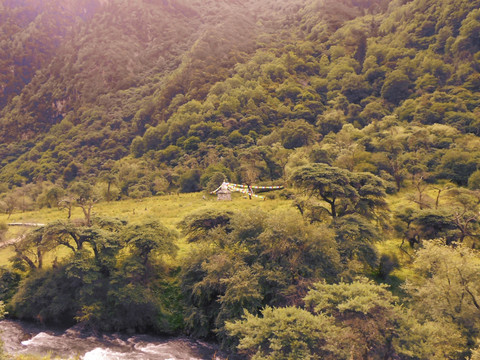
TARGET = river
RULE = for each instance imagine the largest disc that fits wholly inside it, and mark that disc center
(26, 338)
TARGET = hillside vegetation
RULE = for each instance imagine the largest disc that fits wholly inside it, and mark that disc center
(366, 111)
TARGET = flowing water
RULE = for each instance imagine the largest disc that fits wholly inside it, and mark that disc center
(25, 338)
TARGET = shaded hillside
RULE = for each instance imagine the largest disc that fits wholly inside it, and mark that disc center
(119, 71)
(31, 32)
(329, 91)
(250, 90)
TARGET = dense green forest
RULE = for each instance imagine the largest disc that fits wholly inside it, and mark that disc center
(366, 111)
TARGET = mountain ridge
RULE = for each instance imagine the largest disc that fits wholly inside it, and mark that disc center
(227, 80)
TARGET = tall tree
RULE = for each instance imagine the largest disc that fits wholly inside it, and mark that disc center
(446, 286)
(344, 192)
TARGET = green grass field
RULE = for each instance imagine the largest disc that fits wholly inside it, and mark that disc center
(169, 210)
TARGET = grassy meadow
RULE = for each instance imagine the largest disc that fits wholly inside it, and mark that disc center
(171, 209)
(168, 209)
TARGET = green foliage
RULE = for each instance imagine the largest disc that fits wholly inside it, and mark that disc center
(250, 261)
(474, 180)
(9, 283)
(2, 310)
(396, 87)
(137, 148)
(297, 134)
(454, 221)
(378, 326)
(355, 88)
(211, 97)
(190, 181)
(286, 333)
(198, 225)
(358, 297)
(468, 37)
(446, 289)
(349, 100)
(475, 354)
(46, 296)
(457, 166)
(150, 239)
(359, 319)
(2, 315)
(356, 240)
(343, 192)
(113, 270)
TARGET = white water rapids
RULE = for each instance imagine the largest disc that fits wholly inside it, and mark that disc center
(25, 338)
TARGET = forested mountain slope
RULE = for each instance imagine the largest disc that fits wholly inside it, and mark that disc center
(103, 72)
(31, 32)
(367, 112)
(387, 87)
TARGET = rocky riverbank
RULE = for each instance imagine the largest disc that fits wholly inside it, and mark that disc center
(26, 338)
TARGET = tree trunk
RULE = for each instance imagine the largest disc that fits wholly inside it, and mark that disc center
(40, 258)
(334, 210)
(26, 259)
